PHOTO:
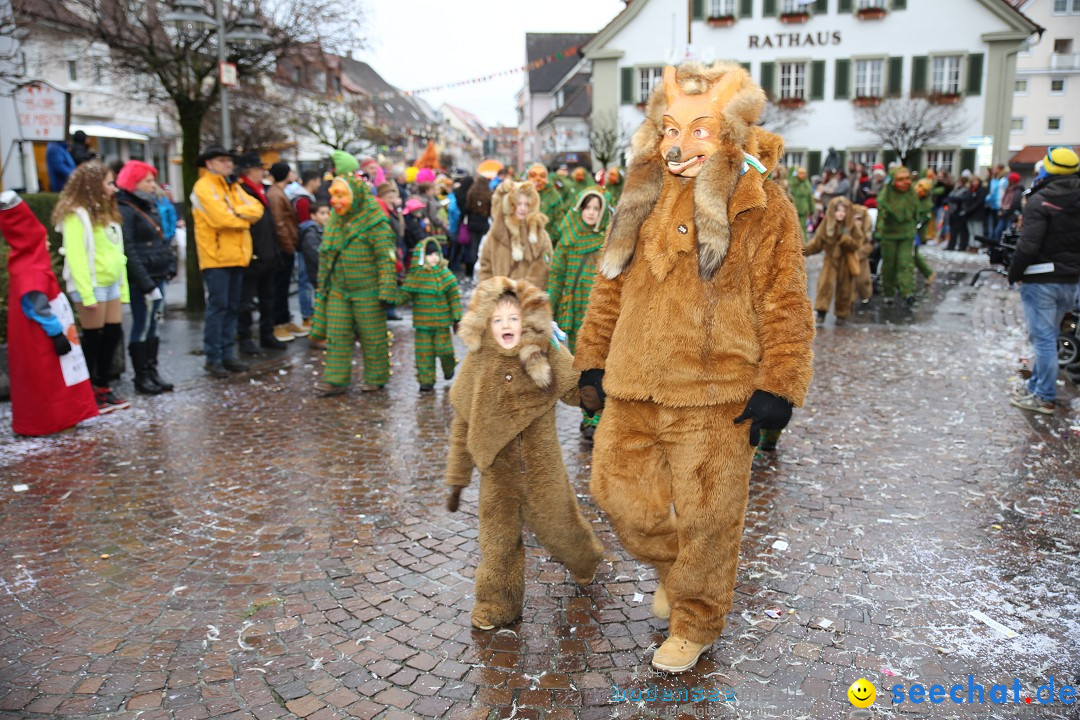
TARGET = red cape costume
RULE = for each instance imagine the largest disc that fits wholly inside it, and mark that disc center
(41, 402)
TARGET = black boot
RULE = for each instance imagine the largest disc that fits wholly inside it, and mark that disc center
(144, 385)
(152, 346)
(91, 346)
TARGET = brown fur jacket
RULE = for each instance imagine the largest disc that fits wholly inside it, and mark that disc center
(520, 250)
(839, 242)
(702, 295)
(504, 400)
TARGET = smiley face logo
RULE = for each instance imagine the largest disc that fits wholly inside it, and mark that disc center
(861, 693)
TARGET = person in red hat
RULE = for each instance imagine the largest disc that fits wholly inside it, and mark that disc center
(50, 382)
(1010, 208)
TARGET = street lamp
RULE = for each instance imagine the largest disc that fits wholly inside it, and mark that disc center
(189, 18)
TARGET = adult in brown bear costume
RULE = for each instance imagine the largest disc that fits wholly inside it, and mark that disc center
(504, 425)
(517, 246)
(699, 333)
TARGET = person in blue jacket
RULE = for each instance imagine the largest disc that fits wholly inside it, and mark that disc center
(60, 165)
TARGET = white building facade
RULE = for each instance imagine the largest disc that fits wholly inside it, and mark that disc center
(1046, 100)
(828, 56)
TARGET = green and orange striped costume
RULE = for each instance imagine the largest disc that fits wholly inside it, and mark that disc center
(573, 269)
(552, 205)
(356, 273)
(436, 302)
(573, 266)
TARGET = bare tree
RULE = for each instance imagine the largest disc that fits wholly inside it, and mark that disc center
(907, 124)
(779, 119)
(339, 125)
(11, 32)
(252, 109)
(606, 139)
(180, 64)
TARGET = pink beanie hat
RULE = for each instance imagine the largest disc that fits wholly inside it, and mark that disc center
(133, 173)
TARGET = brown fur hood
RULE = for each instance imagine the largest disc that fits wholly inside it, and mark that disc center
(501, 392)
(504, 224)
(720, 191)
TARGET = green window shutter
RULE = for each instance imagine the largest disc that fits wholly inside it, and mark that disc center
(844, 6)
(888, 156)
(770, 8)
(817, 80)
(919, 66)
(813, 162)
(699, 9)
(627, 78)
(746, 8)
(967, 160)
(914, 160)
(746, 67)
(974, 73)
(821, 7)
(899, 4)
(843, 80)
(768, 77)
(896, 77)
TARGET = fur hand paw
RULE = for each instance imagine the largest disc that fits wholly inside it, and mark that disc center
(766, 412)
(591, 388)
(453, 500)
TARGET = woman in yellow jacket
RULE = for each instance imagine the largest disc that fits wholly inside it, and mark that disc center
(95, 270)
(223, 216)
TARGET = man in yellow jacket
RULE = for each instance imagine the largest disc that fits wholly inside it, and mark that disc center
(223, 216)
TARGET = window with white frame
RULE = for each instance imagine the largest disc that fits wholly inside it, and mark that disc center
(1057, 86)
(868, 158)
(868, 75)
(1020, 87)
(868, 4)
(789, 7)
(1061, 7)
(1017, 125)
(794, 159)
(721, 8)
(1053, 124)
(940, 160)
(945, 79)
(793, 81)
(73, 70)
(647, 80)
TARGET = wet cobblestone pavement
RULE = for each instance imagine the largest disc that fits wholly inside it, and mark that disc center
(241, 549)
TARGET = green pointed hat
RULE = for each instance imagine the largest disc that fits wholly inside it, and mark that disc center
(344, 163)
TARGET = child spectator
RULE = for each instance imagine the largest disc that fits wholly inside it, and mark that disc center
(311, 232)
(436, 301)
(95, 270)
(417, 226)
(506, 429)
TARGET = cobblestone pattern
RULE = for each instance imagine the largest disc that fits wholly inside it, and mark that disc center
(245, 550)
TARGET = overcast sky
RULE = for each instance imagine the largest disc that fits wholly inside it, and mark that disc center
(415, 44)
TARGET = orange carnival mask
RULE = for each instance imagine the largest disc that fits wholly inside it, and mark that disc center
(538, 176)
(614, 177)
(341, 196)
(692, 123)
(579, 174)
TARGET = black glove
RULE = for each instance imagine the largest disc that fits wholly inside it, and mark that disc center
(456, 326)
(767, 412)
(591, 387)
(453, 499)
(63, 347)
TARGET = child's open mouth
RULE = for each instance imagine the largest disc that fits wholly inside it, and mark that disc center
(509, 337)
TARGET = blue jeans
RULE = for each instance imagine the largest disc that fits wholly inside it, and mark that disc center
(305, 288)
(1045, 304)
(144, 315)
(223, 290)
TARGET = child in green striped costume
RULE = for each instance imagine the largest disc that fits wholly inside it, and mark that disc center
(573, 269)
(436, 303)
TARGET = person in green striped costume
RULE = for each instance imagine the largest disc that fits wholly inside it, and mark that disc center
(551, 202)
(356, 275)
(573, 268)
(436, 302)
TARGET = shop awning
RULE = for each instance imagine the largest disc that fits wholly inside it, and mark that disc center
(107, 131)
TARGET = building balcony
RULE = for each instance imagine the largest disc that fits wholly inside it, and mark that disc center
(1065, 61)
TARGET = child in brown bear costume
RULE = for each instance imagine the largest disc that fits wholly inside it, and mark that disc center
(504, 425)
(517, 246)
(840, 237)
(699, 330)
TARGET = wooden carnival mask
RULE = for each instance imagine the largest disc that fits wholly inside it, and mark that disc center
(538, 176)
(692, 122)
(341, 196)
